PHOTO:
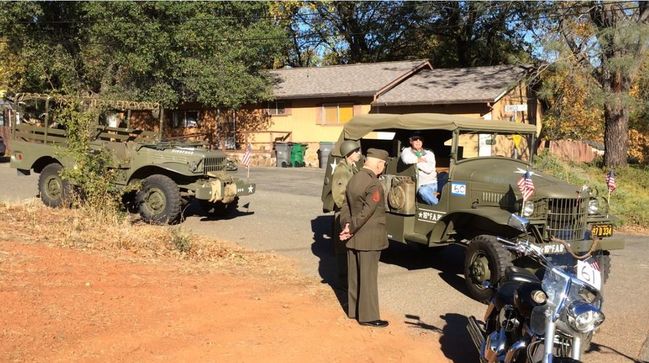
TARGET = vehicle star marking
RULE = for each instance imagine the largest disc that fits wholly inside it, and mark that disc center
(251, 189)
(333, 167)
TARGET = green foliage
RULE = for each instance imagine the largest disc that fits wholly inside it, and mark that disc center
(208, 52)
(628, 203)
(90, 174)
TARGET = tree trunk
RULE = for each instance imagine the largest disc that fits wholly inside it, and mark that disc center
(616, 135)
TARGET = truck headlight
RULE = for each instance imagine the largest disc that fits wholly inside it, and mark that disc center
(593, 206)
(584, 317)
(528, 208)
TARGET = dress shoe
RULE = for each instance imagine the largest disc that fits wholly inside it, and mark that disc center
(375, 323)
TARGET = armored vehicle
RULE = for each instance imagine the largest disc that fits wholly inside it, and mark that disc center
(481, 205)
(168, 173)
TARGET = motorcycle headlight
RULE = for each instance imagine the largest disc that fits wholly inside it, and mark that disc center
(528, 208)
(593, 206)
(584, 317)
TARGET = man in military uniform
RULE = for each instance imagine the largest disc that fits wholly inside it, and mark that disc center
(363, 217)
(345, 169)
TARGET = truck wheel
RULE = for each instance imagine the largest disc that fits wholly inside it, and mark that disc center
(219, 209)
(485, 260)
(159, 200)
(55, 192)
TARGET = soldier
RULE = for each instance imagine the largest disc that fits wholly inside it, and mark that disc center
(345, 169)
(363, 217)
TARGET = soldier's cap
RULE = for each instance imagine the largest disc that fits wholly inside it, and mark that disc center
(415, 136)
(377, 154)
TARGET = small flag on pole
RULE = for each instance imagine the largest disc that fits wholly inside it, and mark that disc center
(526, 185)
(247, 156)
(610, 181)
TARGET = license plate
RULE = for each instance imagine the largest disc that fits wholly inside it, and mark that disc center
(553, 248)
(601, 230)
(589, 273)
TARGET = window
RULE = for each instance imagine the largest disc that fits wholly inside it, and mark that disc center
(336, 114)
(185, 119)
(277, 108)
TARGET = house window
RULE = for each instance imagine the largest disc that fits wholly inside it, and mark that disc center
(277, 108)
(184, 119)
(336, 114)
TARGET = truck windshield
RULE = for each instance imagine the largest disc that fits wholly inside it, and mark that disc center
(481, 144)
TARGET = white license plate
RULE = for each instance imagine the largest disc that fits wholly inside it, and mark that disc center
(553, 248)
(589, 274)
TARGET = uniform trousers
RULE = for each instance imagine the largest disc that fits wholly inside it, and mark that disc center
(363, 293)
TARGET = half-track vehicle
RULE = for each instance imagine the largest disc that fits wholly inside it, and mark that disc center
(481, 204)
(168, 173)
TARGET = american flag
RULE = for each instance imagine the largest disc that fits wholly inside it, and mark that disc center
(610, 181)
(247, 156)
(526, 185)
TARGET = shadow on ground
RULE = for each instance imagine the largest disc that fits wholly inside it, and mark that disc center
(448, 260)
(454, 340)
(322, 247)
(194, 209)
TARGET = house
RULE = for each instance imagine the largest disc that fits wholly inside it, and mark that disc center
(311, 104)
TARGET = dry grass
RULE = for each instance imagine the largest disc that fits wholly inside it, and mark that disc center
(90, 229)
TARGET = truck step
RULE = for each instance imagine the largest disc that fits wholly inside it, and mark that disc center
(416, 237)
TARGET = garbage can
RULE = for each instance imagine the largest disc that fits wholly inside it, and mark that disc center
(283, 154)
(297, 154)
(325, 150)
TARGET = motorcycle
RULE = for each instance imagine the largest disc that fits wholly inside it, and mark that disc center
(540, 319)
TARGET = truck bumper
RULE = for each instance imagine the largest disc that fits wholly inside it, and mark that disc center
(602, 244)
(217, 190)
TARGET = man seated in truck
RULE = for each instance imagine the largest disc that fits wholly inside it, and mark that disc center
(426, 173)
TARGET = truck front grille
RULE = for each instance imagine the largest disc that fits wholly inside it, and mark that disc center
(214, 164)
(566, 218)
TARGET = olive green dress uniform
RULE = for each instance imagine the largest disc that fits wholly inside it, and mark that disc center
(343, 172)
(365, 213)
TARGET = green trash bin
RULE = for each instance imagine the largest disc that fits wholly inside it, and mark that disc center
(297, 154)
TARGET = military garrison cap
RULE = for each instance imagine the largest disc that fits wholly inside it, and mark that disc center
(377, 154)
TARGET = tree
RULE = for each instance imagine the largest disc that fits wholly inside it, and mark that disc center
(609, 40)
(213, 53)
(449, 33)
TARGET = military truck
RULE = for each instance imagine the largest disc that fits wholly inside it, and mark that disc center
(169, 173)
(481, 205)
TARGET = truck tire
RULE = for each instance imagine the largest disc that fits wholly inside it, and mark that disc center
(485, 259)
(159, 200)
(54, 191)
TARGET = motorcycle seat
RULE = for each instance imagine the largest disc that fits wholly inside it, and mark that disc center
(520, 274)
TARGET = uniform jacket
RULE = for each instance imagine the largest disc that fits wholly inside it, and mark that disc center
(364, 210)
(426, 170)
(344, 171)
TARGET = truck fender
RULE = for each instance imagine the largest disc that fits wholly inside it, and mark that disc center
(487, 220)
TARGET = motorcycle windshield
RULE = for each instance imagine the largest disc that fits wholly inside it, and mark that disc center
(556, 284)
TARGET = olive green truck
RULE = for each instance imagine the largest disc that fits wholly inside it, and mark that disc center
(481, 205)
(168, 173)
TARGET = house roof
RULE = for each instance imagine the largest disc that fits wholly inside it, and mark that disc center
(365, 79)
(454, 85)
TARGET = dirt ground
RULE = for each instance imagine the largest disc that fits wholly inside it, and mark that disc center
(60, 304)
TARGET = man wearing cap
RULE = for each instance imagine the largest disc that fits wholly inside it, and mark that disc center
(363, 218)
(426, 174)
(345, 169)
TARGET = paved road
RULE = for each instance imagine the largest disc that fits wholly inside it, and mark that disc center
(424, 289)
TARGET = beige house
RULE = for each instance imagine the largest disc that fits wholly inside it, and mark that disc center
(312, 104)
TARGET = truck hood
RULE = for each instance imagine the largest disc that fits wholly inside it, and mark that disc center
(500, 174)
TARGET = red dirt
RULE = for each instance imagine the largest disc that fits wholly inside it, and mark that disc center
(60, 304)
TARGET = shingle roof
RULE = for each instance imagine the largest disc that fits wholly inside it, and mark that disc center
(454, 85)
(364, 79)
